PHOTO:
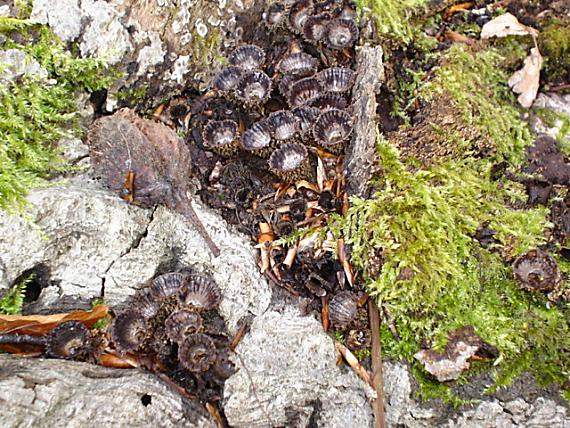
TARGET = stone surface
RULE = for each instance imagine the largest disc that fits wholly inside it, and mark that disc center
(56, 393)
(288, 375)
(16, 63)
(558, 104)
(161, 46)
(88, 239)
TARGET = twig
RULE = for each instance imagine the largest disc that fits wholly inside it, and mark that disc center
(377, 375)
(353, 362)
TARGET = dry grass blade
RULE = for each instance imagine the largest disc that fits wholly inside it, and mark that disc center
(377, 372)
(238, 336)
(354, 363)
(325, 314)
(344, 262)
(213, 410)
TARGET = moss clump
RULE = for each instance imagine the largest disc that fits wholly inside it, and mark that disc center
(477, 86)
(34, 114)
(554, 44)
(13, 300)
(393, 18)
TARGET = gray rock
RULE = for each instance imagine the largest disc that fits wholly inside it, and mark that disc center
(287, 374)
(88, 238)
(161, 46)
(558, 104)
(16, 63)
(56, 393)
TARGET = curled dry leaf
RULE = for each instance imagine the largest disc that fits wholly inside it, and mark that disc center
(506, 25)
(40, 324)
(526, 80)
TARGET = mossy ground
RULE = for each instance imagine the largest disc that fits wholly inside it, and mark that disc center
(414, 239)
(35, 113)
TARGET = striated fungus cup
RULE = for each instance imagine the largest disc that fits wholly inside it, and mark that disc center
(298, 14)
(329, 101)
(341, 33)
(342, 309)
(283, 124)
(290, 162)
(200, 293)
(304, 90)
(336, 79)
(307, 116)
(69, 340)
(257, 139)
(537, 271)
(221, 136)
(276, 15)
(298, 63)
(332, 129)
(227, 79)
(253, 88)
(129, 331)
(197, 353)
(181, 324)
(248, 57)
(315, 27)
(166, 285)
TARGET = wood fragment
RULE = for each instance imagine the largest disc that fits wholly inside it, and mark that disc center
(457, 8)
(344, 261)
(325, 314)
(129, 188)
(213, 410)
(354, 363)
(377, 372)
(238, 336)
(291, 255)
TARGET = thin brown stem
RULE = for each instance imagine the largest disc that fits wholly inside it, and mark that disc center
(377, 375)
(185, 208)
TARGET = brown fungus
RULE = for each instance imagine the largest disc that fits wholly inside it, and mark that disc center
(307, 117)
(336, 79)
(329, 101)
(304, 90)
(298, 63)
(146, 303)
(257, 138)
(342, 309)
(221, 136)
(290, 162)
(129, 331)
(253, 88)
(200, 292)
(166, 285)
(315, 27)
(69, 340)
(298, 14)
(249, 57)
(537, 271)
(181, 324)
(283, 124)
(197, 353)
(341, 33)
(275, 15)
(333, 127)
(227, 79)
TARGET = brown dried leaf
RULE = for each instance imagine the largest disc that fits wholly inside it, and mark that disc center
(526, 80)
(461, 7)
(506, 25)
(38, 325)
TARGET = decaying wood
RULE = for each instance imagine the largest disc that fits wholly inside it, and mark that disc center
(377, 372)
(361, 154)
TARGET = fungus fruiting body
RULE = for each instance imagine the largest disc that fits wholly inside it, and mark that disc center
(341, 33)
(537, 271)
(200, 293)
(304, 90)
(298, 14)
(253, 88)
(342, 309)
(257, 138)
(315, 27)
(248, 57)
(283, 124)
(290, 161)
(336, 79)
(221, 136)
(69, 340)
(197, 353)
(298, 63)
(227, 79)
(329, 101)
(182, 323)
(332, 129)
(166, 285)
(129, 331)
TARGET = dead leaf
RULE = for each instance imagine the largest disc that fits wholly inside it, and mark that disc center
(506, 25)
(526, 80)
(461, 7)
(455, 37)
(37, 325)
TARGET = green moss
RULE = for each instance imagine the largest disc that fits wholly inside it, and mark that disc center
(393, 18)
(34, 114)
(554, 44)
(13, 300)
(477, 85)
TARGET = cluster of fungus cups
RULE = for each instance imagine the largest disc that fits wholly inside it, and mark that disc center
(316, 95)
(175, 319)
